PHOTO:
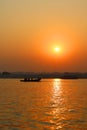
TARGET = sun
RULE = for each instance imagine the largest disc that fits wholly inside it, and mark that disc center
(56, 49)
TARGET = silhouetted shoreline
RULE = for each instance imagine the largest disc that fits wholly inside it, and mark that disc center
(42, 75)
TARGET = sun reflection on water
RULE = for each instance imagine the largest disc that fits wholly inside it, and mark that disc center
(56, 89)
(56, 85)
(56, 104)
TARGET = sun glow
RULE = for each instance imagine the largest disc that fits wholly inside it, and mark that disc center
(56, 49)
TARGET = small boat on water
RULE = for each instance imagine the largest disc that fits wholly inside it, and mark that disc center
(31, 80)
(69, 76)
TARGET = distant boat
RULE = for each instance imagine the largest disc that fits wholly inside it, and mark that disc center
(31, 80)
(69, 77)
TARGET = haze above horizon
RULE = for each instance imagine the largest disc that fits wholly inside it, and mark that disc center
(43, 36)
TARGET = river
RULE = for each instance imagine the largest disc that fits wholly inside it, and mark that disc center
(52, 104)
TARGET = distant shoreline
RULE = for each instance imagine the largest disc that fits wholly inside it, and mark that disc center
(9, 75)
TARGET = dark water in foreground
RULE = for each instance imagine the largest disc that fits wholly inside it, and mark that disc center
(51, 104)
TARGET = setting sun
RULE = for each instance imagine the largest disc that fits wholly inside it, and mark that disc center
(56, 49)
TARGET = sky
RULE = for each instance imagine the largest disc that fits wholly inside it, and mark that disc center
(30, 30)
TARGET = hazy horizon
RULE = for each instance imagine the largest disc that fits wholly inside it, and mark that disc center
(31, 31)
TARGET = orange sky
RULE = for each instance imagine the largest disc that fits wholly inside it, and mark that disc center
(30, 30)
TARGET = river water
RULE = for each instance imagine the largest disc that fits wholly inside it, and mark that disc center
(52, 104)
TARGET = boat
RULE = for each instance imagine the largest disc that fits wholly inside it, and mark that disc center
(69, 77)
(31, 80)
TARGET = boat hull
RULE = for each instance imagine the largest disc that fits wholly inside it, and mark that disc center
(31, 80)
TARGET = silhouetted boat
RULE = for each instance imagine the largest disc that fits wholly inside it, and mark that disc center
(69, 77)
(31, 80)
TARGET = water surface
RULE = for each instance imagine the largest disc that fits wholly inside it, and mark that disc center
(52, 104)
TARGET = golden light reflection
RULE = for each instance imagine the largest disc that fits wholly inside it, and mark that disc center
(57, 85)
(56, 92)
(56, 101)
